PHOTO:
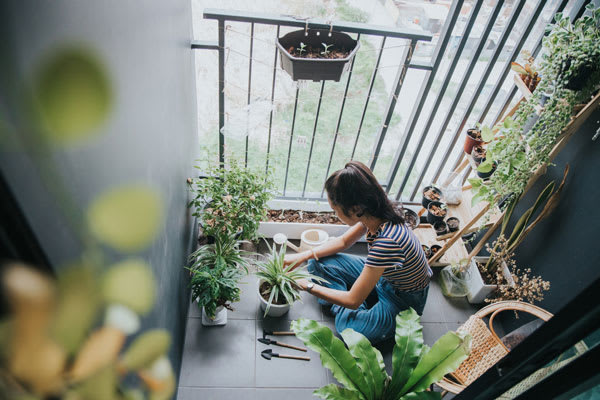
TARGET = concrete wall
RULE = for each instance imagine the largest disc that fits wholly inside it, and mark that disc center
(148, 137)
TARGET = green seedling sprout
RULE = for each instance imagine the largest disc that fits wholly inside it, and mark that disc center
(326, 51)
(302, 48)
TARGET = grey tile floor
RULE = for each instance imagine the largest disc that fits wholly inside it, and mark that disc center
(224, 362)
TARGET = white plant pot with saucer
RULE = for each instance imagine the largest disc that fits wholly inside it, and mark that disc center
(478, 291)
(219, 319)
(276, 310)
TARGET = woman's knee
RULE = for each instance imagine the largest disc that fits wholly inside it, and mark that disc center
(358, 321)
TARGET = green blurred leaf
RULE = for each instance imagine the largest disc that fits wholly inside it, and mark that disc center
(126, 218)
(446, 354)
(487, 135)
(78, 302)
(146, 349)
(73, 95)
(424, 395)
(485, 166)
(334, 355)
(334, 392)
(368, 359)
(101, 386)
(130, 283)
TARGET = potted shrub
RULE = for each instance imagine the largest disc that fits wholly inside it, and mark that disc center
(316, 54)
(453, 224)
(454, 278)
(277, 289)
(440, 228)
(436, 211)
(430, 193)
(216, 270)
(359, 366)
(231, 200)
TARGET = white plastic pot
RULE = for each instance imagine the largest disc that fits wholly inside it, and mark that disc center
(219, 319)
(276, 310)
(478, 291)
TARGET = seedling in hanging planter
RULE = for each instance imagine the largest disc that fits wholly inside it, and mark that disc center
(302, 48)
(326, 51)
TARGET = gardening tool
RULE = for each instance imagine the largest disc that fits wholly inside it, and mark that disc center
(276, 343)
(280, 239)
(277, 333)
(269, 353)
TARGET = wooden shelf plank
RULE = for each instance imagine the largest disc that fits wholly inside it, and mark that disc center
(521, 86)
(455, 253)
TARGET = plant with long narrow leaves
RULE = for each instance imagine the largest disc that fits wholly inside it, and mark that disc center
(281, 286)
(360, 368)
(216, 270)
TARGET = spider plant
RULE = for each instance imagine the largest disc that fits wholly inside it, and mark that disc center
(281, 286)
(216, 270)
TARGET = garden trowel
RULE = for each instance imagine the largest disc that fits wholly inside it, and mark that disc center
(276, 343)
(267, 354)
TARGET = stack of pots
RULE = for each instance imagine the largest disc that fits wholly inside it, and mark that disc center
(432, 201)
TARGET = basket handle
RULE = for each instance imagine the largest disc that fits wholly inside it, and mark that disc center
(540, 313)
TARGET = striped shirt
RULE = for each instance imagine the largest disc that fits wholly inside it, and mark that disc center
(396, 248)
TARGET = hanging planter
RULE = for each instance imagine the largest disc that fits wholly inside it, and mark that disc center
(316, 54)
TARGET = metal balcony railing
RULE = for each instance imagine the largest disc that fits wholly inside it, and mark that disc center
(472, 57)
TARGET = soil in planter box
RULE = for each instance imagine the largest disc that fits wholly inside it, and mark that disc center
(432, 195)
(265, 292)
(488, 278)
(311, 52)
(308, 217)
(437, 211)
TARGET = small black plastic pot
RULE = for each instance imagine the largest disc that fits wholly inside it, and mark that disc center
(425, 201)
(432, 218)
(316, 69)
(435, 248)
(440, 227)
(411, 218)
(453, 224)
(486, 175)
(426, 250)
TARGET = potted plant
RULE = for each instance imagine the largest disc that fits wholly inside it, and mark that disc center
(527, 72)
(411, 218)
(277, 289)
(316, 54)
(216, 270)
(486, 169)
(426, 250)
(231, 200)
(436, 211)
(453, 224)
(360, 369)
(430, 193)
(478, 154)
(454, 278)
(482, 282)
(440, 227)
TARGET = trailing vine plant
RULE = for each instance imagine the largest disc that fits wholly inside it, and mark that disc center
(570, 73)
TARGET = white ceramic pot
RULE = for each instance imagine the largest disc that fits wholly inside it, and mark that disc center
(219, 319)
(478, 291)
(276, 310)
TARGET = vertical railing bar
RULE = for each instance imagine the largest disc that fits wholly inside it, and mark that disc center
(312, 141)
(287, 166)
(504, 107)
(440, 97)
(467, 72)
(362, 118)
(221, 92)
(533, 19)
(504, 37)
(272, 99)
(398, 83)
(424, 90)
(249, 91)
(339, 121)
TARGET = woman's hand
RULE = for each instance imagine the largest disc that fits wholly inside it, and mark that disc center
(296, 259)
(302, 283)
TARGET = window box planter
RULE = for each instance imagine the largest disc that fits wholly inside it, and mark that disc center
(316, 69)
(293, 230)
(478, 290)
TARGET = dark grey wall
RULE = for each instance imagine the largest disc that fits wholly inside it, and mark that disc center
(149, 137)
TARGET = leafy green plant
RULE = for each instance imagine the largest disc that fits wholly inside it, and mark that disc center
(280, 281)
(326, 51)
(216, 270)
(302, 48)
(231, 200)
(360, 368)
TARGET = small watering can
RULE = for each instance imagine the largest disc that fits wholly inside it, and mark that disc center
(309, 239)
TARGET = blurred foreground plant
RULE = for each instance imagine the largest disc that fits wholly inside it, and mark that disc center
(65, 338)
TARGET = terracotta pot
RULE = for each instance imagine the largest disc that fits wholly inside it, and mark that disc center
(470, 141)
